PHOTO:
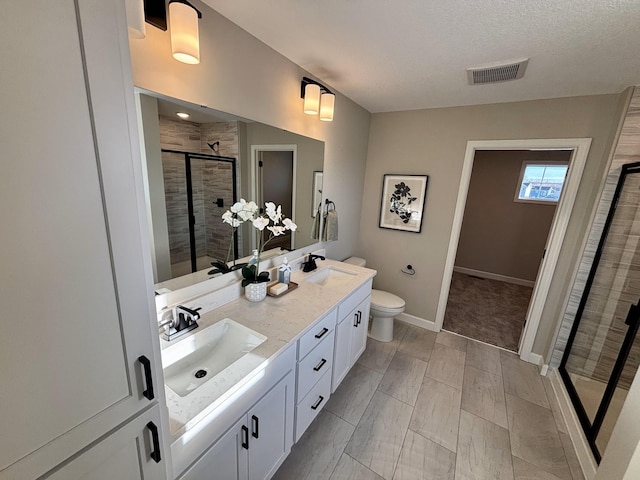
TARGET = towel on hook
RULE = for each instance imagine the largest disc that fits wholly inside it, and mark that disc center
(330, 230)
(315, 229)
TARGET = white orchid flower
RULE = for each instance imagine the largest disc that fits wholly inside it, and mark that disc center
(231, 219)
(275, 214)
(245, 215)
(252, 207)
(276, 230)
(260, 223)
(289, 225)
(238, 206)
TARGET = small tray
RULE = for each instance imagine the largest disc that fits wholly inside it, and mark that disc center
(292, 286)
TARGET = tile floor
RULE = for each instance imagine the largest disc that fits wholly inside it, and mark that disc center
(438, 407)
(487, 310)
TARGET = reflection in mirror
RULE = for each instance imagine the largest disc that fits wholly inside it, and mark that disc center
(197, 167)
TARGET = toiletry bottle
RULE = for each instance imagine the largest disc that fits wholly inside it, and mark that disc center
(284, 272)
(254, 258)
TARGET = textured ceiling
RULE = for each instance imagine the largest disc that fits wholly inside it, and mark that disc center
(410, 54)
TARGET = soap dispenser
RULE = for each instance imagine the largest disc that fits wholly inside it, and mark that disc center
(284, 272)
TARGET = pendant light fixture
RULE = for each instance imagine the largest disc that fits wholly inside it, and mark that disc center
(311, 99)
(327, 102)
(185, 38)
(185, 41)
(135, 18)
(317, 99)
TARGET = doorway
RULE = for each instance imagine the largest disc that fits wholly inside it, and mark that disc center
(580, 149)
(511, 203)
(273, 180)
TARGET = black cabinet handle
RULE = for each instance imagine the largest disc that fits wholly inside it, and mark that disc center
(155, 453)
(359, 317)
(148, 378)
(255, 425)
(322, 332)
(245, 437)
(320, 365)
(317, 404)
(355, 319)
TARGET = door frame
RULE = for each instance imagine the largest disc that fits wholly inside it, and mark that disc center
(253, 177)
(580, 147)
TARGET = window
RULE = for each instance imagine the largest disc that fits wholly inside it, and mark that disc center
(541, 182)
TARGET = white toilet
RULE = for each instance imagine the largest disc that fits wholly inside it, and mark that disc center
(384, 307)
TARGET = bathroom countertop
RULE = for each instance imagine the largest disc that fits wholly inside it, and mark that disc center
(282, 320)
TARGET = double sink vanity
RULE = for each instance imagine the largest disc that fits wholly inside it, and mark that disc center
(243, 387)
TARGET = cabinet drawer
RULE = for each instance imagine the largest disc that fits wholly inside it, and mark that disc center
(354, 300)
(311, 405)
(316, 334)
(315, 364)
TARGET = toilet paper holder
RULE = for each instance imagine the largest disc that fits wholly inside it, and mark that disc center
(408, 270)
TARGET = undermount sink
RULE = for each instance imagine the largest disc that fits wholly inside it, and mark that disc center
(199, 358)
(330, 276)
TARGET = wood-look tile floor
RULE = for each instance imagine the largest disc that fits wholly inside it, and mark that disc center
(437, 407)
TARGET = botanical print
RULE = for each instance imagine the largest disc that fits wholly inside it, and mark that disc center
(402, 204)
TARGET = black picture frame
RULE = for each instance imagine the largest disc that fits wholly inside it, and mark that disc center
(403, 201)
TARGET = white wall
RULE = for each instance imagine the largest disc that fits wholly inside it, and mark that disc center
(433, 142)
(240, 75)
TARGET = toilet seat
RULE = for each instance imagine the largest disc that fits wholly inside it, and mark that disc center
(385, 301)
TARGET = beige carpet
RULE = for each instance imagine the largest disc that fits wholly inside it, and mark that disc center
(487, 310)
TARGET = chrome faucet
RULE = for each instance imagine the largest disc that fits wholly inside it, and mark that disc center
(183, 321)
(310, 264)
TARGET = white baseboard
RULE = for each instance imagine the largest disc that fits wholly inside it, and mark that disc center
(494, 276)
(418, 322)
(583, 450)
(539, 361)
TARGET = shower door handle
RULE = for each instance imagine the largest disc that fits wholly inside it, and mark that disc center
(633, 315)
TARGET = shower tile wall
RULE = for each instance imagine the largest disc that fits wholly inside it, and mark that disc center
(626, 151)
(210, 180)
(220, 183)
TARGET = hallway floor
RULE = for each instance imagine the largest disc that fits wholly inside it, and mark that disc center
(438, 407)
(487, 310)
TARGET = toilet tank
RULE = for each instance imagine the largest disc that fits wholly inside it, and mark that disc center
(360, 262)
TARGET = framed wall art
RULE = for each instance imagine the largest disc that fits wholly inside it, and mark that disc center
(316, 192)
(403, 200)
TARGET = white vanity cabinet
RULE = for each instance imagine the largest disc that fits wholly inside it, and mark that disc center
(79, 358)
(256, 445)
(351, 332)
(315, 362)
(133, 452)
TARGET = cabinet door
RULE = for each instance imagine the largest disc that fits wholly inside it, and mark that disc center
(132, 452)
(342, 352)
(360, 319)
(75, 279)
(270, 424)
(226, 459)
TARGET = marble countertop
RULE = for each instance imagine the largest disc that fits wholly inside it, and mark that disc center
(282, 320)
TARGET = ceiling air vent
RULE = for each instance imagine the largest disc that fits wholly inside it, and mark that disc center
(497, 73)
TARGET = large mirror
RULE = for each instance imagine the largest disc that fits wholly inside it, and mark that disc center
(197, 163)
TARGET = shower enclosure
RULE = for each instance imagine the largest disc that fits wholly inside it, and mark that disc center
(603, 352)
(199, 188)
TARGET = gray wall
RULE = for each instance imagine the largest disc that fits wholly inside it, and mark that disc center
(240, 75)
(499, 235)
(433, 142)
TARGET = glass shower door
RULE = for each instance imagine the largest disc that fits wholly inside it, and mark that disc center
(602, 354)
